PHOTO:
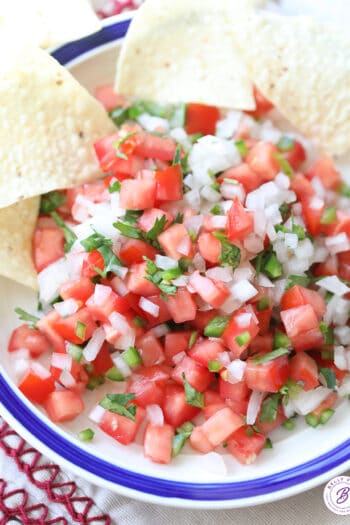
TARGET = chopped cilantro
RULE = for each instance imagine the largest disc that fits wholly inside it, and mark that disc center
(268, 443)
(284, 210)
(129, 231)
(51, 201)
(119, 115)
(157, 229)
(69, 235)
(94, 382)
(302, 280)
(114, 187)
(99, 242)
(95, 241)
(270, 356)
(181, 436)
(230, 253)
(25, 316)
(156, 277)
(179, 218)
(116, 403)
(132, 216)
(178, 117)
(285, 167)
(117, 145)
(177, 155)
(216, 210)
(136, 233)
(290, 390)
(215, 186)
(193, 397)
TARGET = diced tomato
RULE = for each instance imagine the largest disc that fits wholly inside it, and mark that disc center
(199, 440)
(176, 410)
(302, 327)
(79, 289)
(242, 324)
(121, 428)
(63, 405)
(209, 247)
(154, 147)
(301, 186)
(261, 344)
(203, 318)
(181, 306)
(264, 318)
(137, 281)
(269, 376)
(299, 295)
(109, 98)
(201, 118)
(173, 238)
(304, 368)
(134, 251)
(262, 159)
(46, 326)
(243, 174)
(150, 349)
(262, 104)
(265, 427)
(48, 247)
(245, 445)
(107, 155)
(148, 385)
(327, 363)
(325, 170)
(137, 194)
(169, 183)
(158, 443)
(341, 225)
(212, 403)
(217, 429)
(236, 391)
(92, 260)
(29, 338)
(197, 375)
(213, 292)
(344, 265)
(330, 400)
(149, 217)
(101, 308)
(102, 361)
(240, 221)
(313, 209)
(206, 350)
(35, 386)
(296, 155)
(163, 315)
(67, 327)
(174, 343)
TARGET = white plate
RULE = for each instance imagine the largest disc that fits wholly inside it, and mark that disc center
(299, 460)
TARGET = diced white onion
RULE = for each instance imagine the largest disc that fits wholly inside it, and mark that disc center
(337, 243)
(101, 293)
(243, 320)
(94, 345)
(219, 221)
(243, 290)
(67, 379)
(291, 240)
(20, 367)
(160, 330)
(66, 308)
(273, 214)
(263, 280)
(333, 284)
(127, 334)
(226, 127)
(316, 203)
(165, 263)
(340, 359)
(224, 358)
(220, 273)
(230, 191)
(344, 389)
(230, 305)
(289, 409)
(50, 280)
(182, 280)
(155, 415)
(177, 358)
(236, 370)
(149, 307)
(21, 353)
(343, 334)
(282, 181)
(194, 223)
(199, 262)
(122, 366)
(307, 401)
(184, 246)
(40, 370)
(278, 290)
(97, 413)
(61, 361)
(253, 243)
(254, 405)
(75, 263)
(152, 123)
(208, 193)
(119, 286)
(193, 199)
(244, 272)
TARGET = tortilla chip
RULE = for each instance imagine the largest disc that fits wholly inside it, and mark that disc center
(304, 69)
(46, 22)
(49, 123)
(17, 224)
(184, 51)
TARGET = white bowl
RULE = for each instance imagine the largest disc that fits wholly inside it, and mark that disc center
(298, 461)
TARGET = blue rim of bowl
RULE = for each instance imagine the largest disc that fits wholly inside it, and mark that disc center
(102, 469)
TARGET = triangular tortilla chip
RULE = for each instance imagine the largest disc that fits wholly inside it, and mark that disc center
(184, 51)
(49, 123)
(303, 67)
(48, 22)
(17, 224)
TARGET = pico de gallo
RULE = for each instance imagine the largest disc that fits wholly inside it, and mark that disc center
(207, 273)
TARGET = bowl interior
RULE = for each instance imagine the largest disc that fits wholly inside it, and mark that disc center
(290, 449)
